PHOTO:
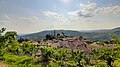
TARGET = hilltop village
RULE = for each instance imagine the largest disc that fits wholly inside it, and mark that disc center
(62, 40)
(59, 40)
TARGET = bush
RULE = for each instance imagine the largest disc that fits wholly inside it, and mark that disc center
(18, 60)
(101, 65)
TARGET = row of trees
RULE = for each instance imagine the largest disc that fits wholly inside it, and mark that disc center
(61, 57)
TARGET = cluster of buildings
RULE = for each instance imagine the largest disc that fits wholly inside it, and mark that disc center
(60, 40)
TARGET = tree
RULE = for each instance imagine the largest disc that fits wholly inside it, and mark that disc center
(14, 47)
(48, 37)
(21, 40)
(2, 39)
(87, 59)
(10, 35)
(107, 54)
(47, 53)
(28, 49)
(2, 30)
(8, 42)
(80, 37)
(77, 56)
(115, 38)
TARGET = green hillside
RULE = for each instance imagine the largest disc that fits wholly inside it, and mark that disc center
(90, 35)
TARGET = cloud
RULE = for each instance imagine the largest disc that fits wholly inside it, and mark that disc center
(25, 24)
(85, 11)
(81, 13)
(35, 18)
(52, 14)
(90, 9)
(32, 19)
(22, 24)
(7, 17)
(104, 10)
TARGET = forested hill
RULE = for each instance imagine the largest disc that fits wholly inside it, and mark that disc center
(91, 35)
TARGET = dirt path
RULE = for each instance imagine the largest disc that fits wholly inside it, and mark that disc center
(2, 64)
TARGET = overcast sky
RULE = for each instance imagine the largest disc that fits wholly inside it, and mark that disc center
(28, 16)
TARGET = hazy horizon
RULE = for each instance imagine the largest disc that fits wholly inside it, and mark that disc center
(30, 16)
(66, 29)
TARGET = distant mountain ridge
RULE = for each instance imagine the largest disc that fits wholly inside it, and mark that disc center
(90, 35)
